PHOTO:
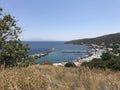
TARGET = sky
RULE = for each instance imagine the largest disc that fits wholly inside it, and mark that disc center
(64, 20)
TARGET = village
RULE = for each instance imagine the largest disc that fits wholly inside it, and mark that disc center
(95, 53)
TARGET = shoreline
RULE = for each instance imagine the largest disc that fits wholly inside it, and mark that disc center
(93, 53)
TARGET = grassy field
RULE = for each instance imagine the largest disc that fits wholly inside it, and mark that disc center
(43, 77)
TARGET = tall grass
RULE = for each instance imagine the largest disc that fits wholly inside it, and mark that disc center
(44, 77)
(22, 79)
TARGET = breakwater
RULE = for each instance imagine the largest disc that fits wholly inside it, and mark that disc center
(74, 51)
(41, 54)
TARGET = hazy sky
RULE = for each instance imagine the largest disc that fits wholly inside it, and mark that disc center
(64, 19)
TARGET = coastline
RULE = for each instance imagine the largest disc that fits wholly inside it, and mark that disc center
(93, 53)
(56, 56)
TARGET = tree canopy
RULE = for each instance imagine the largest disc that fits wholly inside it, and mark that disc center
(12, 51)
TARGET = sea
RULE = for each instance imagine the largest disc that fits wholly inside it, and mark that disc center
(57, 56)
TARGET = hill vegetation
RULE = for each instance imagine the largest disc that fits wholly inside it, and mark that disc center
(106, 39)
(107, 61)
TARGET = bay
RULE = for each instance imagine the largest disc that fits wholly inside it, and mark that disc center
(57, 56)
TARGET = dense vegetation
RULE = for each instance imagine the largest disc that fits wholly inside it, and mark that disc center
(12, 51)
(106, 39)
(107, 61)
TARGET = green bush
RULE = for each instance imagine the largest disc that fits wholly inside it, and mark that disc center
(95, 63)
(106, 56)
(70, 64)
(107, 61)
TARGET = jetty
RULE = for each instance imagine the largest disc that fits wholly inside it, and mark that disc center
(74, 51)
(41, 54)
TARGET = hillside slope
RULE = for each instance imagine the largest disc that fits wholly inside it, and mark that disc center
(107, 39)
(43, 77)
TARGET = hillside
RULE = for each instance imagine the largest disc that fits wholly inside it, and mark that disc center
(43, 77)
(107, 39)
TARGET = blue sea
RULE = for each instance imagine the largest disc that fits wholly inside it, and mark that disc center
(57, 56)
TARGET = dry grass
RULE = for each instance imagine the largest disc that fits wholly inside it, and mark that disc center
(58, 78)
(22, 79)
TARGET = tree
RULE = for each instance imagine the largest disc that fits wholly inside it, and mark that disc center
(12, 51)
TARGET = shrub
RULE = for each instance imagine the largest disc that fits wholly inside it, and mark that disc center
(95, 63)
(70, 64)
(106, 56)
(106, 62)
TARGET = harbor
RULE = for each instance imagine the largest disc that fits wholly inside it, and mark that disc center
(94, 53)
(39, 49)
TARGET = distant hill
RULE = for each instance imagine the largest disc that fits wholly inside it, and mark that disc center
(107, 39)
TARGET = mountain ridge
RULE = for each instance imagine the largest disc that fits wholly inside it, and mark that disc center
(107, 39)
